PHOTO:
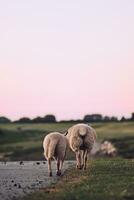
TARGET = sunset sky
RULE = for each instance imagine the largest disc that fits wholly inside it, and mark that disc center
(68, 58)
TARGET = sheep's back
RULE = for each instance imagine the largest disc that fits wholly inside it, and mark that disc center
(54, 145)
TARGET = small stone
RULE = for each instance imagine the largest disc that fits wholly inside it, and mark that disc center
(40, 182)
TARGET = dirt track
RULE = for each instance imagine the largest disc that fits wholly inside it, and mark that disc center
(20, 178)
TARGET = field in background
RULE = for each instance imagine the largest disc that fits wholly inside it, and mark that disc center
(24, 141)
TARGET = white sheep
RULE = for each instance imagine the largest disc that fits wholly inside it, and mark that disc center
(81, 139)
(55, 146)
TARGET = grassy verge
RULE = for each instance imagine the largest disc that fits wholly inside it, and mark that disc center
(105, 179)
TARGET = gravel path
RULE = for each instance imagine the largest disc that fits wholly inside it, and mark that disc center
(20, 178)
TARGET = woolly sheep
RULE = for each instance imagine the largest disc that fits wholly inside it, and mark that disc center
(55, 146)
(81, 138)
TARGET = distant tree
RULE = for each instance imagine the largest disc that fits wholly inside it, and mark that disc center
(50, 118)
(87, 118)
(123, 119)
(132, 117)
(23, 120)
(71, 121)
(4, 120)
(38, 120)
(114, 119)
(106, 119)
(46, 119)
(93, 118)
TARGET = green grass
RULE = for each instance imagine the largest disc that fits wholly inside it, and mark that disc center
(114, 130)
(24, 141)
(17, 139)
(104, 179)
(125, 146)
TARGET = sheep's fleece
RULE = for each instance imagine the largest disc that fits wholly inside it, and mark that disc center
(81, 136)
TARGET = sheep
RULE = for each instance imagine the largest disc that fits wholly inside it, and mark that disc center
(81, 138)
(55, 146)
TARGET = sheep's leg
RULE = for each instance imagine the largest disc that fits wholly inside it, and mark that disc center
(78, 160)
(58, 168)
(58, 164)
(85, 159)
(82, 157)
(61, 165)
(49, 167)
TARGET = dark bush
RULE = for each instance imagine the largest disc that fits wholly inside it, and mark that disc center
(4, 120)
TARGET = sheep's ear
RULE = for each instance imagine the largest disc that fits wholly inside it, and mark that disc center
(66, 133)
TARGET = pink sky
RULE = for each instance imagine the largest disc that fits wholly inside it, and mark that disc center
(66, 59)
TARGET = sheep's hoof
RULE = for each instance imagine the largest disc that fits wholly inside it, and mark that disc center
(82, 166)
(78, 167)
(58, 173)
(50, 173)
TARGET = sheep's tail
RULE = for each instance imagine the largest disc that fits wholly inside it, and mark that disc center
(82, 132)
(49, 149)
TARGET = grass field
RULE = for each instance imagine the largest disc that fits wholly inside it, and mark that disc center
(105, 179)
(24, 141)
